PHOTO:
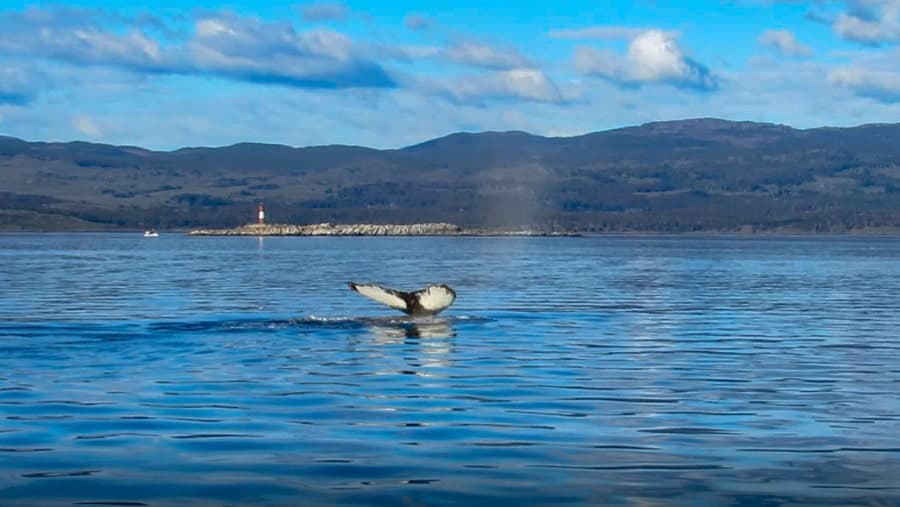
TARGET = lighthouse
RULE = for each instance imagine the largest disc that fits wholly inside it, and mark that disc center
(261, 214)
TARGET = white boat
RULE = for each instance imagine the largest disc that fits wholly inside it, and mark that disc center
(151, 234)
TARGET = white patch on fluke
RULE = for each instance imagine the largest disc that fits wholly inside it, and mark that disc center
(383, 295)
(428, 301)
(435, 298)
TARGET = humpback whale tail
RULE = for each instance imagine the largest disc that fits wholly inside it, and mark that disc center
(429, 301)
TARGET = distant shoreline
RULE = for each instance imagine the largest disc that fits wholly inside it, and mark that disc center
(328, 229)
(451, 230)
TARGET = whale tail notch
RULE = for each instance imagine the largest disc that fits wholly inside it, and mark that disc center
(429, 301)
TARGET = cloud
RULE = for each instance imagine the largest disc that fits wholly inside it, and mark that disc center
(483, 55)
(879, 85)
(468, 53)
(325, 11)
(247, 49)
(525, 84)
(653, 57)
(85, 125)
(221, 45)
(602, 32)
(867, 22)
(784, 42)
(229, 46)
(18, 87)
(417, 22)
(870, 22)
(82, 45)
(863, 31)
(253, 50)
(406, 54)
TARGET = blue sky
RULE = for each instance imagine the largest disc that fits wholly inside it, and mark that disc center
(388, 74)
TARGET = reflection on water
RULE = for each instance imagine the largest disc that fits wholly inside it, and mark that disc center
(606, 371)
(433, 337)
(392, 331)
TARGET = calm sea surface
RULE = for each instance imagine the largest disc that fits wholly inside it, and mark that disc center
(606, 371)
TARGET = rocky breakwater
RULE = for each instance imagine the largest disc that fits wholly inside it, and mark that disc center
(327, 229)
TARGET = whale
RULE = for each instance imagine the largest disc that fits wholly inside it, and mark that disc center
(422, 303)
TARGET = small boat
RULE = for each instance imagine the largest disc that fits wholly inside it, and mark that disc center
(151, 234)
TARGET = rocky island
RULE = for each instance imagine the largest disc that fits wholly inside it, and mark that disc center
(328, 229)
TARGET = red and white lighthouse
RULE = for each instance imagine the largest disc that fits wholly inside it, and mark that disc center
(261, 214)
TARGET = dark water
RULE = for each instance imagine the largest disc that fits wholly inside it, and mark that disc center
(605, 371)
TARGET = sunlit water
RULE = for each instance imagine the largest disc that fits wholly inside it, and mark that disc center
(606, 371)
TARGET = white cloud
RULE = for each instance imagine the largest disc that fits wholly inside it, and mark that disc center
(483, 55)
(19, 86)
(221, 44)
(526, 84)
(883, 86)
(652, 57)
(241, 48)
(784, 42)
(869, 21)
(862, 31)
(85, 125)
(468, 53)
(84, 44)
(530, 84)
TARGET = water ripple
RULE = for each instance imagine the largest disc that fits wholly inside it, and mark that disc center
(615, 371)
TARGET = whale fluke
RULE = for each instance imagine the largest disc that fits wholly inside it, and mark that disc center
(429, 301)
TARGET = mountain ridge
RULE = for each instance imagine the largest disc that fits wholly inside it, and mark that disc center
(700, 174)
(651, 124)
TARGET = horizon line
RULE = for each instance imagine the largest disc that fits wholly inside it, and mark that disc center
(298, 147)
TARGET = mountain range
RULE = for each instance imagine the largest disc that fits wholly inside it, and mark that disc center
(677, 176)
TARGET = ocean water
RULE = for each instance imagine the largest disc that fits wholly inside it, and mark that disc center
(571, 371)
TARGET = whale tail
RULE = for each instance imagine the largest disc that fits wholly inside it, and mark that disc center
(429, 301)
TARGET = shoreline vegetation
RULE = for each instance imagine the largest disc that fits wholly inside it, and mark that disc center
(329, 229)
